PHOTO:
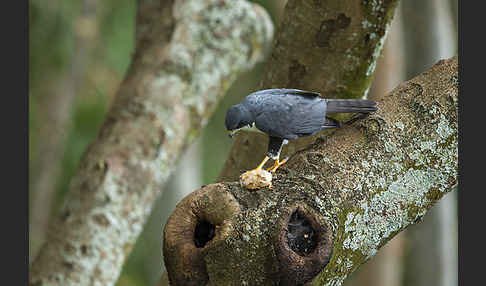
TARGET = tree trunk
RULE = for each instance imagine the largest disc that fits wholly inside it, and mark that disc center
(351, 192)
(187, 54)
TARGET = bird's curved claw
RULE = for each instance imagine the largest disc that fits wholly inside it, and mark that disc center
(277, 164)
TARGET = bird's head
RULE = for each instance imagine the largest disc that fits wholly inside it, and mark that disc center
(237, 117)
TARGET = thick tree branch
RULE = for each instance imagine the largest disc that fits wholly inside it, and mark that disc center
(351, 192)
(188, 53)
(325, 46)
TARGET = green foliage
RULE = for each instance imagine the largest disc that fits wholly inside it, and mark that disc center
(118, 31)
(50, 41)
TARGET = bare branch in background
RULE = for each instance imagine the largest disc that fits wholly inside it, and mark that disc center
(56, 108)
(390, 68)
(187, 55)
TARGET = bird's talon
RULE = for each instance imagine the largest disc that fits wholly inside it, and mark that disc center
(271, 168)
(277, 164)
(284, 160)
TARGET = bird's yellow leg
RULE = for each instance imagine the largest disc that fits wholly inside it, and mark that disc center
(259, 166)
(277, 164)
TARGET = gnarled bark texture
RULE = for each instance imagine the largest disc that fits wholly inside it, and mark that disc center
(326, 46)
(187, 54)
(349, 193)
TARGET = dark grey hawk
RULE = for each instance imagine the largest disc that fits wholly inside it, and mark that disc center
(287, 114)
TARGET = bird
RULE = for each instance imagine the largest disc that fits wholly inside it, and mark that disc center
(287, 114)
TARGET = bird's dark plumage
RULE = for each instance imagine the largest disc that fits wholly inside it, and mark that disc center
(287, 114)
(350, 105)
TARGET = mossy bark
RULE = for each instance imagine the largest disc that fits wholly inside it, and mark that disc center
(358, 187)
(187, 54)
(326, 46)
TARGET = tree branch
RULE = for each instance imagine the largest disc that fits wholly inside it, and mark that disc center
(331, 48)
(350, 193)
(187, 55)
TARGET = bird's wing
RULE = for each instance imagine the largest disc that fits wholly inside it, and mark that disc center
(289, 117)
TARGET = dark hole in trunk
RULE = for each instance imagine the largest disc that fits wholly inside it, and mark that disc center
(301, 237)
(203, 233)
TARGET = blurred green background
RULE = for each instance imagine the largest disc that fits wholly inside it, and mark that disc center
(79, 52)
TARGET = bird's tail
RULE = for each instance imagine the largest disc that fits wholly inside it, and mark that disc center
(350, 105)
